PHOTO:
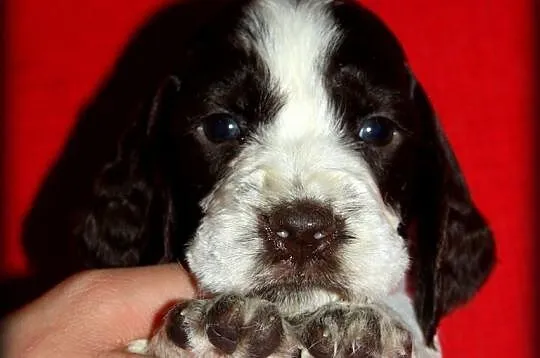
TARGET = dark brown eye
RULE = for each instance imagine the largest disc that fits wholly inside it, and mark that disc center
(377, 130)
(221, 127)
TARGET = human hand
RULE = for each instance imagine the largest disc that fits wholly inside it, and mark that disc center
(95, 313)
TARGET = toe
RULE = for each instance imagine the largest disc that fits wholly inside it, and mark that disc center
(264, 332)
(176, 328)
(223, 323)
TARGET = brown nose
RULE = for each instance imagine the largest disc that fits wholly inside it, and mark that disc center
(301, 228)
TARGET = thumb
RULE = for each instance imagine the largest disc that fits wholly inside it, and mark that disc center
(138, 298)
(97, 311)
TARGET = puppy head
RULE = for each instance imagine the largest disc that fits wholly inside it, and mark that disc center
(304, 160)
(297, 206)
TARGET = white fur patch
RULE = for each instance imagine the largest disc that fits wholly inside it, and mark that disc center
(401, 304)
(300, 153)
(295, 44)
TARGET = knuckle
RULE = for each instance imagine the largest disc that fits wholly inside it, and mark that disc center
(91, 284)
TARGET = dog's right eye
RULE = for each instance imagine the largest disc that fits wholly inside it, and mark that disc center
(221, 127)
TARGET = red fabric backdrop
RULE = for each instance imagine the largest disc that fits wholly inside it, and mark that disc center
(472, 56)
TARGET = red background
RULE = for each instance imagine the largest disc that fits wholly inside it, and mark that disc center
(473, 57)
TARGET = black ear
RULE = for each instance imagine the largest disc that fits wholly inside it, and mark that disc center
(131, 215)
(453, 248)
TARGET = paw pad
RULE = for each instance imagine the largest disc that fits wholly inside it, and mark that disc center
(176, 328)
(224, 321)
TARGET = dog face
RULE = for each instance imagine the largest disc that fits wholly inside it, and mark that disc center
(294, 147)
(298, 207)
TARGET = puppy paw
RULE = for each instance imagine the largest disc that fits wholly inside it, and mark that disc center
(225, 326)
(343, 330)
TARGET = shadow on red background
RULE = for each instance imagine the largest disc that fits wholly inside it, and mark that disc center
(536, 207)
(3, 115)
(3, 131)
(475, 327)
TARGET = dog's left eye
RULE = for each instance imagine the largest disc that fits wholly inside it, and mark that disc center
(377, 131)
(221, 127)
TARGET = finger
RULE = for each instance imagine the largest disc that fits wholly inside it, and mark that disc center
(121, 355)
(137, 298)
(100, 310)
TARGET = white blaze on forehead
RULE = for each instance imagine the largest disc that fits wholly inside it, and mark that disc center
(295, 42)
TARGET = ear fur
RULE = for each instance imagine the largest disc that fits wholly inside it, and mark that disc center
(454, 251)
(131, 198)
(159, 48)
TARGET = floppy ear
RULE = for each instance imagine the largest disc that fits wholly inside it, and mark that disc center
(131, 217)
(453, 248)
(162, 46)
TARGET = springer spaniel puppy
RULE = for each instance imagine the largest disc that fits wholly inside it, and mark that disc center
(286, 152)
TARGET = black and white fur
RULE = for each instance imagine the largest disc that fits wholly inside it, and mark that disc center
(404, 244)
